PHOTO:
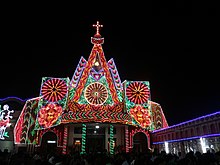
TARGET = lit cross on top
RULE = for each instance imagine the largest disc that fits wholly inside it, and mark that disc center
(97, 28)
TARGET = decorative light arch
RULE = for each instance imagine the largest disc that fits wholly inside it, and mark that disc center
(133, 132)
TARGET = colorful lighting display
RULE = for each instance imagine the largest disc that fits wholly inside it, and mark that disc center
(138, 105)
(137, 92)
(49, 114)
(54, 89)
(141, 115)
(94, 94)
(5, 120)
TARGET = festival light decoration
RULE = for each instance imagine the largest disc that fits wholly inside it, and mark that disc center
(96, 50)
(54, 89)
(134, 131)
(186, 139)
(126, 140)
(54, 94)
(137, 92)
(141, 115)
(23, 130)
(83, 146)
(5, 120)
(49, 114)
(137, 99)
(78, 72)
(96, 93)
(65, 135)
(13, 98)
(58, 131)
(176, 125)
(115, 75)
(111, 139)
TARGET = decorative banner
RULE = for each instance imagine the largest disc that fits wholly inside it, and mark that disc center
(5, 121)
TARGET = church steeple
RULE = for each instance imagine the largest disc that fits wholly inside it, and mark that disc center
(97, 68)
(97, 37)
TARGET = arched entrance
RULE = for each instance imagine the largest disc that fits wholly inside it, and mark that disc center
(140, 142)
(49, 142)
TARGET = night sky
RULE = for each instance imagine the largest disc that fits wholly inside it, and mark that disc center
(175, 49)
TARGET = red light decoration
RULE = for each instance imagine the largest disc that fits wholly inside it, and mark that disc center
(96, 93)
(54, 89)
(49, 114)
(137, 92)
(140, 114)
(65, 134)
(133, 132)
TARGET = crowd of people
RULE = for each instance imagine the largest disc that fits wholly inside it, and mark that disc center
(103, 158)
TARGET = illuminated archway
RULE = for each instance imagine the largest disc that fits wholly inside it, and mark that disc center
(49, 142)
(139, 135)
(140, 142)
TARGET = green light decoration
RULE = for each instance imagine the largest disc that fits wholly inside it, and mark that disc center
(120, 95)
(6, 134)
(83, 146)
(111, 139)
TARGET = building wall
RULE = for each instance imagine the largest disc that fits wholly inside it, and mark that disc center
(188, 135)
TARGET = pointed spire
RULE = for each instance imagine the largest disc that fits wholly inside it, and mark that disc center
(97, 37)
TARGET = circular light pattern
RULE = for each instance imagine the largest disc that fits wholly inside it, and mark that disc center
(54, 89)
(49, 114)
(96, 93)
(137, 92)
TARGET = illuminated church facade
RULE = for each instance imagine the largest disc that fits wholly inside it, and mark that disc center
(92, 111)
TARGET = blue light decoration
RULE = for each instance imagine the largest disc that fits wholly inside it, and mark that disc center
(13, 98)
(191, 138)
(5, 120)
(202, 117)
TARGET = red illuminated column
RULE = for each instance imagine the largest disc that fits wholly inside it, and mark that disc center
(126, 139)
(65, 135)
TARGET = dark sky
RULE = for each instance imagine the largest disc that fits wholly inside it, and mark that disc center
(175, 48)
